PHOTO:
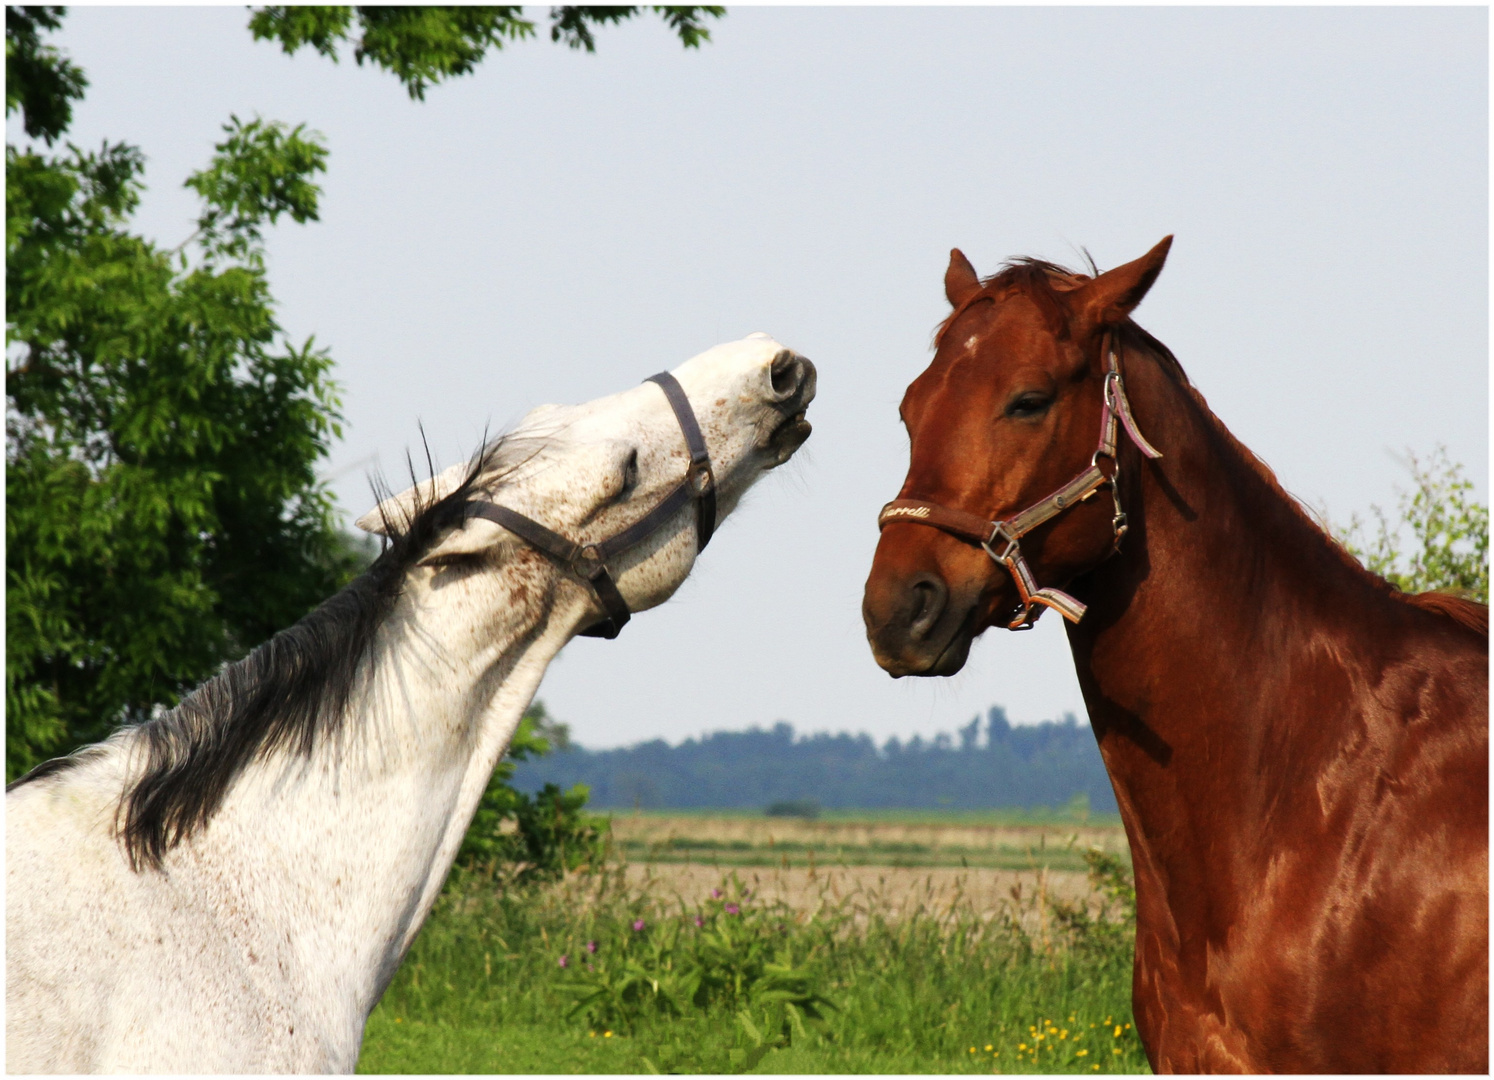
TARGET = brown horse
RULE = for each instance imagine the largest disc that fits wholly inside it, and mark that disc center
(1299, 751)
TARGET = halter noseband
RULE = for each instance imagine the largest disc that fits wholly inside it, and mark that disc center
(589, 561)
(1009, 531)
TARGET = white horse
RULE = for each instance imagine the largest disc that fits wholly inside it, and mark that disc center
(231, 886)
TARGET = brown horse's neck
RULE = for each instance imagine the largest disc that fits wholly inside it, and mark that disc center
(1199, 634)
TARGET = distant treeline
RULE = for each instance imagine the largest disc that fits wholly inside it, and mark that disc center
(1046, 764)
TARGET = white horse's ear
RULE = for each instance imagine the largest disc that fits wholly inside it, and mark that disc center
(474, 537)
(398, 509)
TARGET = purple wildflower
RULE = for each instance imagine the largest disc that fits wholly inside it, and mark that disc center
(699, 921)
(591, 946)
(715, 894)
(638, 925)
(565, 961)
(732, 909)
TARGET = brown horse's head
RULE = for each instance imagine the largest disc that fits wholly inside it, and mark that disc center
(1008, 412)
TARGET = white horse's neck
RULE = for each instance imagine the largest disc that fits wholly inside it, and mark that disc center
(326, 866)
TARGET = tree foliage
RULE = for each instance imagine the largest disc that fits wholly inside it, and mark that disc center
(1053, 764)
(1439, 538)
(162, 509)
(163, 513)
(424, 45)
(39, 80)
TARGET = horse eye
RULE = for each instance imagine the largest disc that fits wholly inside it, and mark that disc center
(630, 475)
(1025, 406)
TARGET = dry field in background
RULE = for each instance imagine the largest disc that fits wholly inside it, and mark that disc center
(895, 867)
(826, 835)
(893, 892)
(763, 842)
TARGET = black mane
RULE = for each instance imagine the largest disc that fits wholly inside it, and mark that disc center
(289, 693)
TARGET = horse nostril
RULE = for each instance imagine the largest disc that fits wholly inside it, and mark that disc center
(929, 598)
(786, 372)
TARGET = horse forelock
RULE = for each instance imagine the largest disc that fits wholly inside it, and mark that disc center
(290, 693)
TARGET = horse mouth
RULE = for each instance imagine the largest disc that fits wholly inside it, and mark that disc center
(786, 438)
(949, 660)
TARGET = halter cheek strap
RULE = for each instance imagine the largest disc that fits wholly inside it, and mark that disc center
(1001, 537)
(589, 561)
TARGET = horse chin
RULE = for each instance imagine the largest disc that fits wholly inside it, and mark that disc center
(955, 653)
(949, 660)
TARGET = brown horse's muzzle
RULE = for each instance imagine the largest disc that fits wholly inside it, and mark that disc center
(917, 621)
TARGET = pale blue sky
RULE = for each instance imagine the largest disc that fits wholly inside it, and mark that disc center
(559, 226)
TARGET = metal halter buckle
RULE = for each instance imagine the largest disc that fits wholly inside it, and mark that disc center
(589, 561)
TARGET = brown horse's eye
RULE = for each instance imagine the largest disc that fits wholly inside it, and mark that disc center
(1028, 405)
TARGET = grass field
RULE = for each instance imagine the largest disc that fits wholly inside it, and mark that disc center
(839, 967)
(993, 839)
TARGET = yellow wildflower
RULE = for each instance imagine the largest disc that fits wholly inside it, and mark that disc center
(606, 1034)
(988, 1046)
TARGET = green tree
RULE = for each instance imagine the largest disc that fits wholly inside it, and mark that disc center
(424, 45)
(38, 79)
(1439, 538)
(162, 509)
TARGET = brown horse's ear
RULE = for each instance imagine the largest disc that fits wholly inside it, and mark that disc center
(960, 280)
(1109, 298)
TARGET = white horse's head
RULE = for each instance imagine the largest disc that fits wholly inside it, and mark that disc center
(588, 472)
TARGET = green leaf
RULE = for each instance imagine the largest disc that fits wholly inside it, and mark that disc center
(39, 80)
(260, 171)
(423, 46)
(1439, 539)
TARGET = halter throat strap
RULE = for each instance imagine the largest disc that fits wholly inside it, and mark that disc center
(589, 561)
(1001, 537)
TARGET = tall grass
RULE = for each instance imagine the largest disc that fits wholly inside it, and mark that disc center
(591, 975)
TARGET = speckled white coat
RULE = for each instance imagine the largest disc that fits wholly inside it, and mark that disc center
(268, 936)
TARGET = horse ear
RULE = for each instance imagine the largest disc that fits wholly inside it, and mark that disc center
(1109, 298)
(398, 509)
(960, 281)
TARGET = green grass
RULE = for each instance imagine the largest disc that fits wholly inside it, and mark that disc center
(731, 985)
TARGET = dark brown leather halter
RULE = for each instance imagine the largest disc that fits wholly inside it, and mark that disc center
(589, 561)
(1009, 531)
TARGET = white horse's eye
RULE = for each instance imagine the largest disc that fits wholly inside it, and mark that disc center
(629, 475)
